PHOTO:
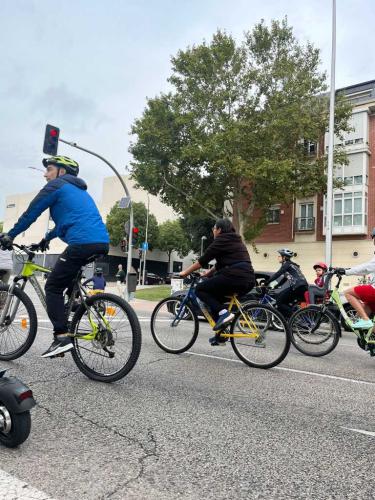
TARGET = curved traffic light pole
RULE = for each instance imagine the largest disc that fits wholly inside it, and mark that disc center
(130, 239)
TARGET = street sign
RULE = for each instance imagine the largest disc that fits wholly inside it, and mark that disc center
(124, 202)
(127, 227)
(145, 245)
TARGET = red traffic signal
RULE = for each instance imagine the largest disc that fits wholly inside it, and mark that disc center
(135, 235)
(51, 140)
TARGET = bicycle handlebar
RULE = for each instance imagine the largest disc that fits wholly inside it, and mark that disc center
(28, 249)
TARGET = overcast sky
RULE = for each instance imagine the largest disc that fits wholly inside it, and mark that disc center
(88, 65)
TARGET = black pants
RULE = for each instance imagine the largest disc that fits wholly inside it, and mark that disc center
(214, 290)
(62, 276)
(287, 296)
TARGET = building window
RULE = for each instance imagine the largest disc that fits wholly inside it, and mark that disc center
(347, 210)
(306, 220)
(273, 215)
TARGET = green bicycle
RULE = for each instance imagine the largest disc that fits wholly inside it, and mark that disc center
(105, 330)
(315, 330)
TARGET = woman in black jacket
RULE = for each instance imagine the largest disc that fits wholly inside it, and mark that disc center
(232, 273)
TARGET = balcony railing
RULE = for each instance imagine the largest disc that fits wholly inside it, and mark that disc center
(304, 224)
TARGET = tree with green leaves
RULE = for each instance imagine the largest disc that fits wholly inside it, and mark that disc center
(196, 227)
(117, 218)
(233, 130)
(172, 238)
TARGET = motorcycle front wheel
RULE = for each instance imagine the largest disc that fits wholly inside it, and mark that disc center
(14, 427)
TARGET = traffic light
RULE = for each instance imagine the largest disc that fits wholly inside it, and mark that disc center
(51, 140)
(123, 244)
(135, 235)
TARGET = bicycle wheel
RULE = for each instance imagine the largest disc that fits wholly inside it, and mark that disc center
(267, 346)
(18, 330)
(314, 332)
(174, 325)
(115, 343)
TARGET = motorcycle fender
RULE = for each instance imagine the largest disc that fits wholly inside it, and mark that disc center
(10, 390)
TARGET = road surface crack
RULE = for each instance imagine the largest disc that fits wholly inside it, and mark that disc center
(149, 449)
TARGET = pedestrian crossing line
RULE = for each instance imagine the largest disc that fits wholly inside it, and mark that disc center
(13, 488)
(360, 431)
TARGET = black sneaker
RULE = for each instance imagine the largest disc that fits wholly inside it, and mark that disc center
(61, 344)
(218, 340)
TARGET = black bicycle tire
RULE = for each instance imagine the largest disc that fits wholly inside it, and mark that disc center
(136, 337)
(21, 426)
(337, 331)
(154, 336)
(29, 306)
(285, 351)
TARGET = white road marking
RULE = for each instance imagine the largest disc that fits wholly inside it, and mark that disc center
(367, 433)
(293, 370)
(13, 488)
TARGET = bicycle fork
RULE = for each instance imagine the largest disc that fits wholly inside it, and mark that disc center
(4, 317)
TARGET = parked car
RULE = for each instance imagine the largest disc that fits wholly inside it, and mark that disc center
(169, 276)
(153, 279)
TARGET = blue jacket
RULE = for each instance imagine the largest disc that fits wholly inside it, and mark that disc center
(76, 217)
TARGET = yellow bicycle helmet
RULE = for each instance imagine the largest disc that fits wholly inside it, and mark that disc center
(71, 166)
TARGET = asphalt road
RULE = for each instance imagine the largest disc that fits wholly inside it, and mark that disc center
(199, 425)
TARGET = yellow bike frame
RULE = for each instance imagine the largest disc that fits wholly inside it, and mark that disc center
(248, 322)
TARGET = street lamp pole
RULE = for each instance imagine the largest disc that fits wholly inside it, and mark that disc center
(328, 245)
(146, 236)
(202, 240)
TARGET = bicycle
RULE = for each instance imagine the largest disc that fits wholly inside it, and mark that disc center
(315, 330)
(105, 330)
(175, 327)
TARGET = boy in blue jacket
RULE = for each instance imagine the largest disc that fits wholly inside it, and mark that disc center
(78, 223)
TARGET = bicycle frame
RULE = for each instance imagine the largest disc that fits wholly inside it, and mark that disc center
(234, 302)
(28, 275)
(335, 298)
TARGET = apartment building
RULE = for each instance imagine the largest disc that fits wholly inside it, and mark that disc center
(301, 226)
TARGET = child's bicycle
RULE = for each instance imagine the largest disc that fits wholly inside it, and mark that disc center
(105, 330)
(315, 330)
(175, 327)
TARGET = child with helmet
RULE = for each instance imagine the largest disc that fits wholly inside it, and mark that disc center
(317, 290)
(291, 273)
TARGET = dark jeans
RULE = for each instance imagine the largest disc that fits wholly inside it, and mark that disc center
(62, 277)
(214, 290)
(287, 296)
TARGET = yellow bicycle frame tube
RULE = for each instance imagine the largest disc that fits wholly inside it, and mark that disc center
(29, 269)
